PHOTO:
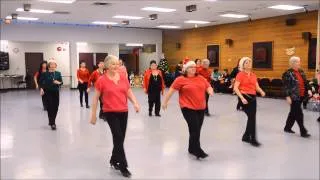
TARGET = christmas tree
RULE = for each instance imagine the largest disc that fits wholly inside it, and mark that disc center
(163, 65)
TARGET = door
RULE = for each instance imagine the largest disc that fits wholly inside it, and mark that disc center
(33, 61)
(131, 62)
(100, 57)
(88, 59)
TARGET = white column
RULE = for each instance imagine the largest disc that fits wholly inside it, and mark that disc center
(318, 45)
(74, 63)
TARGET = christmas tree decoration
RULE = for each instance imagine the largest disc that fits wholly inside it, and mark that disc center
(163, 66)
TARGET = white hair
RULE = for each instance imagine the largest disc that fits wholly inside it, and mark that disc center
(242, 62)
(205, 61)
(110, 59)
(293, 60)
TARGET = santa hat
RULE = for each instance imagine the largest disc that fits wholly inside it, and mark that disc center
(188, 65)
(186, 59)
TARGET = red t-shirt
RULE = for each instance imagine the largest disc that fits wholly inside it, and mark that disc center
(300, 83)
(206, 73)
(94, 77)
(191, 91)
(248, 83)
(114, 96)
(83, 75)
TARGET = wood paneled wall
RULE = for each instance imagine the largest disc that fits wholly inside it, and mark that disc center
(194, 42)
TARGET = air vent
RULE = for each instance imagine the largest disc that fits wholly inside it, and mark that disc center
(101, 4)
(61, 12)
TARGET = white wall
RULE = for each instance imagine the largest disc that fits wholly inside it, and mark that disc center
(145, 58)
(49, 50)
(73, 34)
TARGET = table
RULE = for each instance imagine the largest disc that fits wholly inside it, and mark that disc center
(10, 81)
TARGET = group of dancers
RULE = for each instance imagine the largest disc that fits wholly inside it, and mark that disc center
(113, 90)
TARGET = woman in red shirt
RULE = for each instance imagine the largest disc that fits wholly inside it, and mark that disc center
(153, 85)
(246, 87)
(83, 76)
(43, 68)
(93, 79)
(192, 101)
(206, 73)
(114, 89)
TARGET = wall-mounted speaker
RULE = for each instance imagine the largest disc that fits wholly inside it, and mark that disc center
(306, 36)
(291, 21)
(178, 45)
(229, 42)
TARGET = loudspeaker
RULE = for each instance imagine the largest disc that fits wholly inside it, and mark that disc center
(178, 45)
(291, 21)
(229, 42)
(191, 8)
(306, 36)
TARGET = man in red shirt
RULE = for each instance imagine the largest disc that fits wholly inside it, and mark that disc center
(206, 73)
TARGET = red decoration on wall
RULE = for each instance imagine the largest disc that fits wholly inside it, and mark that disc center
(59, 48)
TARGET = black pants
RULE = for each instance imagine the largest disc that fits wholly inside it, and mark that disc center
(118, 125)
(52, 101)
(296, 114)
(207, 99)
(44, 102)
(194, 119)
(154, 98)
(83, 90)
(250, 109)
(101, 107)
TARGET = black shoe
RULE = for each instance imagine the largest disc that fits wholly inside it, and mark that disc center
(318, 119)
(87, 106)
(115, 165)
(150, 114)
(125, 172)
(158, 115)
(207, 114)
(202, 155)
(289, 131)
(246, 139)
(305, 135)
(255, 143)
(53, 127)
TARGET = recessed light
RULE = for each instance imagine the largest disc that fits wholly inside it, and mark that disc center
(168, 27)
(59, 1)
(196, 22)
(82, 43)
(157, 9)
(104, 23)
(127, 17)
(24, 18)
(286, 7)
(134, 44)
(36, 11)
(234, 15)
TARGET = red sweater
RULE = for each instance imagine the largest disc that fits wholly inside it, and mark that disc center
(83, 75)
(146, 79)
(94, 77)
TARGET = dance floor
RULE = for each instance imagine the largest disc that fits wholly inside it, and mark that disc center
(156, 148)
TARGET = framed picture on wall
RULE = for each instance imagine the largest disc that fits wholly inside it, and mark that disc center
(213, 54)
(262, 55)
(312, 53)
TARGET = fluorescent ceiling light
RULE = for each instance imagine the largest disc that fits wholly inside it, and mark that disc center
(36, 11)
(210, 0)
(59, 1)
(82, 43)
(104, 23)
(196, 22)
(286, 7)
(168, 27)
(24, 18)
(134, 44)
(235, 15)
(127, 17)
(157, 9)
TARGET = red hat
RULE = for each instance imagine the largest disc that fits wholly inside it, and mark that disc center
(186, 59)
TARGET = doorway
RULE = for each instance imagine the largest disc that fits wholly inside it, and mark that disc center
(100, 57)
(88, 59)
(33, 61)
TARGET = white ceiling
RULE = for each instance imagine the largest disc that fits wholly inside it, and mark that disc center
(84, 12)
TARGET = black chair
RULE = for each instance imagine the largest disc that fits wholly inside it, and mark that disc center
(265, 84)
(276, 89)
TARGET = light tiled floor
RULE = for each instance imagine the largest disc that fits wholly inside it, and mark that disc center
(155, 147)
